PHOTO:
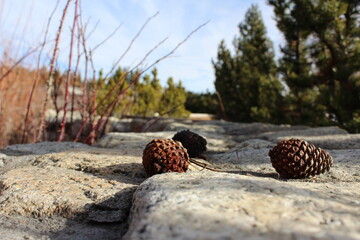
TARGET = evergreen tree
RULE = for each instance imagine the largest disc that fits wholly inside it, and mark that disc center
(148, 96)
(108, 90)
(247, 81)
(202, 103)
(173, 100)
(295, 66)
(157, 91)
(321, 58)
(145, 97)
(226, 82)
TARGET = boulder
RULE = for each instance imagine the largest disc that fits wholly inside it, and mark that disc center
(201, 205)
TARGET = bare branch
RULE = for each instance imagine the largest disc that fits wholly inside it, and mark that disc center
(68, 77)
(50, 79)
(130, 45)
(110, 107)
(107, 38)
(37, 72)
(176, 47)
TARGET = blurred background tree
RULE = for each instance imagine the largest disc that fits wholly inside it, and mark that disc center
(146, 98)
(246, 80)
(148, 95)
(321, 60)
(173, 100)
(226, 82)
(202, 103)
(108, 90)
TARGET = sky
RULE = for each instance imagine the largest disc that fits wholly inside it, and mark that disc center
(24, 23)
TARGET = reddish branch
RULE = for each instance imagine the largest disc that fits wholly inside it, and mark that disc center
(93, 111)
(37, 75)
(74, 79)
(68, 76)
(50, 79)
(130, 45)
(121, 92)
(110, 108)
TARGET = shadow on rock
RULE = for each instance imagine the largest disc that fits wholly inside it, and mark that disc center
(132, 173)
(106, 219)
(255, 174)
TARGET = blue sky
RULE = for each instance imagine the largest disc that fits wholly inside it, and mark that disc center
(24, 22)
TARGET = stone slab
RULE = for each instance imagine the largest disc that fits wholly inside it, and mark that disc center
(73, 191)
(42, 148)
(40, 192)
(202, 205)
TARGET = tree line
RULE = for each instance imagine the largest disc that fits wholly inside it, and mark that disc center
(315, 81)
(146, 97)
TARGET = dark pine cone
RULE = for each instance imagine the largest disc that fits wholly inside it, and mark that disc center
(296, 158)
(194, 143)
(165, 155)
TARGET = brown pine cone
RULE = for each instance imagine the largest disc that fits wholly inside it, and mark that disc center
(193, 142)
(296, 158)
(165, 155)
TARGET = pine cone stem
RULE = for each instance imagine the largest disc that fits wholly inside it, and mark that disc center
(203, 165)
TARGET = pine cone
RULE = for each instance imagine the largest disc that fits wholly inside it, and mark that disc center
(296, 158)
(165, 155)
(194, 143)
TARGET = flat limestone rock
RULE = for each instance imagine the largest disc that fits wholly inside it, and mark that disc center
(324, 137)
(42, 148)
(341, 141)
(251, 130)
(251, 157)
(73, 191)
(201, 205)
(95, 182)
(135, 142)
(110, 163)
(2, 157)
(48, 191)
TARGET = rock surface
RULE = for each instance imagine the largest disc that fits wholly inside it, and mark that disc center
(201, 205)
(74, 191)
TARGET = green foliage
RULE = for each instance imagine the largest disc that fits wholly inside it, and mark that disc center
(202, 103)
(148, 95)
(143, 97)
(321, 58)
(173, 100)
(226, 82)
(247, 80)
(112, 89)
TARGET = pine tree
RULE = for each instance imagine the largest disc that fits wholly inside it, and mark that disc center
(148, 95)
(202, 103)
(108, 90)
(295, 65)
(157, 91)
(173, 100)
(247, 81)
(321, 59)
(226, 81)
